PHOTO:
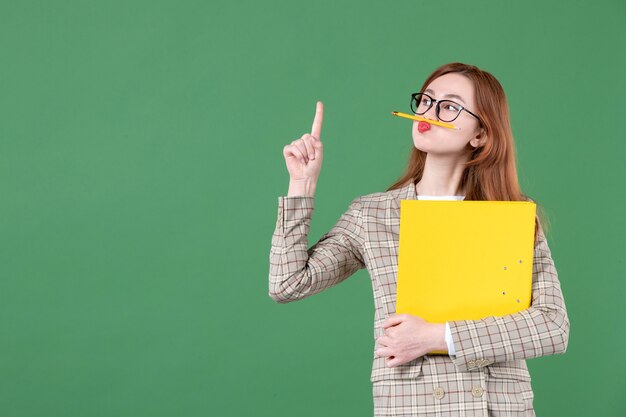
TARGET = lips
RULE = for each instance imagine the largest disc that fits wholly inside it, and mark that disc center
(423, 127)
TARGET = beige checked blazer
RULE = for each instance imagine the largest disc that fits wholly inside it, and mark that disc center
(366, 236)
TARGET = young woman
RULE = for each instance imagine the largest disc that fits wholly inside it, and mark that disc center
(485, 371)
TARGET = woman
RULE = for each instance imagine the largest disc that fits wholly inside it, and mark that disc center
(485, 372)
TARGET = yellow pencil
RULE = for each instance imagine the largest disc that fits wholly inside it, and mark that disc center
(423, 119)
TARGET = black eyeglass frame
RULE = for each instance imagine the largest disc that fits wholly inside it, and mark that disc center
(432, 100)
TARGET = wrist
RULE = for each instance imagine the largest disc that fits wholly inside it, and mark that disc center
(302, 187)
(439, 337)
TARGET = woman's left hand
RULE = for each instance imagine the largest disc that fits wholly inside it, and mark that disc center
(407, 337)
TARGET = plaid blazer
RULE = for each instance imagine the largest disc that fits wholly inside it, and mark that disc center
(366, 236)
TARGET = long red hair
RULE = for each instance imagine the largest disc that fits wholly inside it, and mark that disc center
(490, 173)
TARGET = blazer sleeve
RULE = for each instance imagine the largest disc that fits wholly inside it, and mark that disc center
(540, 330)
(297, 272)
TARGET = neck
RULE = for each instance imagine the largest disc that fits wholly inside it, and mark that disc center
(441, 177)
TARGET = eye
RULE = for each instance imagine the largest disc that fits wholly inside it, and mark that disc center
(426, 101)
(451, 107)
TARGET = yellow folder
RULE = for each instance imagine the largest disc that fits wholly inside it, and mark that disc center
(464, 260)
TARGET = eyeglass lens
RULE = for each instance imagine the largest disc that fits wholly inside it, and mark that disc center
(448, 110)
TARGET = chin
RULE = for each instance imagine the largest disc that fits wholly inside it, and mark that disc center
(422, 148)
(424, 143)
(435, 150)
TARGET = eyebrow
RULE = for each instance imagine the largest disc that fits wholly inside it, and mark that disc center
(428, 90)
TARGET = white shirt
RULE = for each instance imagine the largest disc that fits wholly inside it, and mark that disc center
(449, 341)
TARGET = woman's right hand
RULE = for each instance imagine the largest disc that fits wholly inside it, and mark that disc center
(304, 156)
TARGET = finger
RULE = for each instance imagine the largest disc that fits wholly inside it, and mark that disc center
(393, 320)
(308, 142)
(383, 341)
(392, 361)
(383, 352)
(294, 152)
(301, 145)
(316, 129)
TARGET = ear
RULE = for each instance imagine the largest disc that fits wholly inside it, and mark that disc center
(480, 139)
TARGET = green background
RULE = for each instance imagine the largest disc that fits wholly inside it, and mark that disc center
(141, 164)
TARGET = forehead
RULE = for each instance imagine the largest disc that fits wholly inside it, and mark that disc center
(453, 83)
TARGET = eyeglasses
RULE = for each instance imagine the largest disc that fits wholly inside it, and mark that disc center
(446, 110)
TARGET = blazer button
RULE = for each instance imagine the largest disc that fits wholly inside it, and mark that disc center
(438, 393)
(471, 364)
(477, 392)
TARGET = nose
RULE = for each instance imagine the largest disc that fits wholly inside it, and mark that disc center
(431, 113)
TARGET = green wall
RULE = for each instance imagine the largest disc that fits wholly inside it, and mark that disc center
(141, 164)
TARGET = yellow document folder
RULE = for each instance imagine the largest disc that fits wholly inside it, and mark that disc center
(464, 260)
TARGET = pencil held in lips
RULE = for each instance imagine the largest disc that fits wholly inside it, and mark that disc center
(423, 119)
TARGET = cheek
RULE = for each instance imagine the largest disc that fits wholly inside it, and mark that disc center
(468, 127)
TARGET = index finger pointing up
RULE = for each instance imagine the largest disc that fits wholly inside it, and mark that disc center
(316, 130)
